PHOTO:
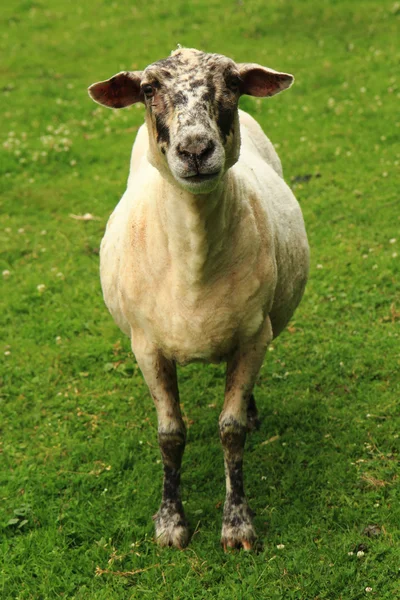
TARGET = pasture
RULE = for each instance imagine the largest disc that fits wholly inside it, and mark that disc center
(80, 470)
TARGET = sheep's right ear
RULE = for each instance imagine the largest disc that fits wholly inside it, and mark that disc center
(121, 90)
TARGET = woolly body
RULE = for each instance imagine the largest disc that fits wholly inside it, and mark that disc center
(198, 274)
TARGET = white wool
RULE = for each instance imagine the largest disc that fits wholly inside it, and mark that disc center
(196, 276)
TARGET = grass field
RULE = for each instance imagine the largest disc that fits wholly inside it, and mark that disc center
(80, 470)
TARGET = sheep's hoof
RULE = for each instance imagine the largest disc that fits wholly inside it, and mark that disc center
(171, 526)
(253, 420)
(237, 528)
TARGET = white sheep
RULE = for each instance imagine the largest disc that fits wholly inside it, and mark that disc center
(205, 257)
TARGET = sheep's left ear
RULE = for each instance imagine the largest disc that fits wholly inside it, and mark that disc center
(121, 90)
(260, 81)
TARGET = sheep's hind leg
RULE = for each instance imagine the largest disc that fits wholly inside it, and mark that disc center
(171, 528)
(242, 371)
(253, 420)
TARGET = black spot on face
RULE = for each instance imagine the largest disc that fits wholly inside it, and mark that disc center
(179, 99)
(196, 83)
(166, 74)
(225, 119)
(162, 131)
(210, 85)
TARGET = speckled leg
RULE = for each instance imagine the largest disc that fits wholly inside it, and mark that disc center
(170, 522)
(242, 371)
(171, 528)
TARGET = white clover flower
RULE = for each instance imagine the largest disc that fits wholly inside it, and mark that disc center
(280, 546)
(392, 241)
(6, 273)
(360, 554)
(368, 589)
(41, 287)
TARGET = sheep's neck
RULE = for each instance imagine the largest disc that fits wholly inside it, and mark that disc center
(199, 231)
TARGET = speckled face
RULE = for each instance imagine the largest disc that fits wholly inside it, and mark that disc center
(191, 99)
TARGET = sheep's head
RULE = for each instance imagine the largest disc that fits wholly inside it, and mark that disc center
(191, 101)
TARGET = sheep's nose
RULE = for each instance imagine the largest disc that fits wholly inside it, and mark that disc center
(197, 150)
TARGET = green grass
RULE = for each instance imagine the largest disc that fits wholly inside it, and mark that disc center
(80, 471)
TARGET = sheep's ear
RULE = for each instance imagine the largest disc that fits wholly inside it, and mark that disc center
(260, 81)
(121, 90)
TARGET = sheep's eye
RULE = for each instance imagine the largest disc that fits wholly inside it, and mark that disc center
(148, 90)
(234, 84)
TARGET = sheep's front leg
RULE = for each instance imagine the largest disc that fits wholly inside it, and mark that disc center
(171, 527)
(242, 371)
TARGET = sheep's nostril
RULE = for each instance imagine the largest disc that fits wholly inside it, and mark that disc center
(196, 152)
(209, 149)
(182, 152)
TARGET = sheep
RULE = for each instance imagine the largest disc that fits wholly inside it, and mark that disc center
(205, 258)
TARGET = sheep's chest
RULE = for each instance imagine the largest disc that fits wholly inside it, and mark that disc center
(202, 322)
(194, 297)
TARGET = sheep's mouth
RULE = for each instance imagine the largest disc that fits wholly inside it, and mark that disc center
(201, 177)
